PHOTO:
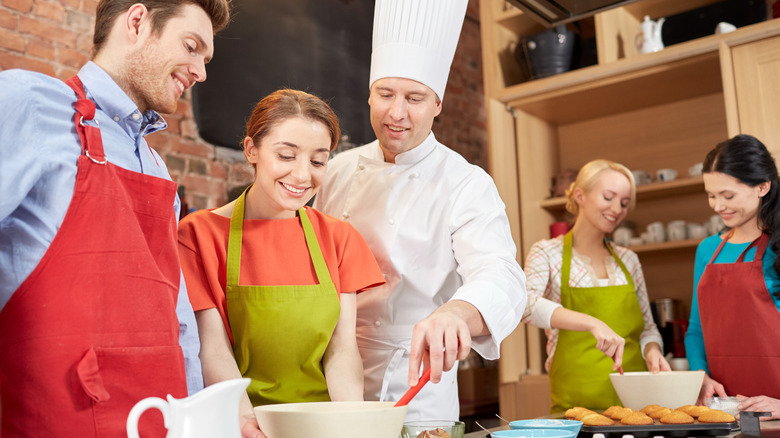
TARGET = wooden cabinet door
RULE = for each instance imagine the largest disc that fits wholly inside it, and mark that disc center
(756, 68)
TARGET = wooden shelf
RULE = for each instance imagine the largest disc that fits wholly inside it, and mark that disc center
(665, 246)
(644, 192)
(679, 72)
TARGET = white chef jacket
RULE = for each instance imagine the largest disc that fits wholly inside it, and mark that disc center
(439, 230)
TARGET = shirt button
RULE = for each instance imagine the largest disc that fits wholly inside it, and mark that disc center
(384, 276)
(136, 116)
(377, 323)
(414, 175)
(361, 166)
(391, 221)
(345, 215)
(116, 118)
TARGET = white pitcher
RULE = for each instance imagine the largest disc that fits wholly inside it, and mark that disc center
(212, 412)
(649, 38)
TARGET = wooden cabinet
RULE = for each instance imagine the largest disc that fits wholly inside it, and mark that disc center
(647, 111)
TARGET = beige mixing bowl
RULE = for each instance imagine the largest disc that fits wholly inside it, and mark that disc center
(332, 420)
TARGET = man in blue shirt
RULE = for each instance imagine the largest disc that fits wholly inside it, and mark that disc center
(90, 291)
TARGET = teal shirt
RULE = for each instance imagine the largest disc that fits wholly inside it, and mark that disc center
(694, 339)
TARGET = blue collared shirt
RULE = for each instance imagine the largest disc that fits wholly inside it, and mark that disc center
(39, 149)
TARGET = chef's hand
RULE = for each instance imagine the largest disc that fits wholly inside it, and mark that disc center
(654, 358)
(250, 428)
(444, 337)
(710, 388)
(761, 403)
(608, 342)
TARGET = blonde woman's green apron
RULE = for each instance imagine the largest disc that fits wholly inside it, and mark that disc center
(280, 333)
(579, 373)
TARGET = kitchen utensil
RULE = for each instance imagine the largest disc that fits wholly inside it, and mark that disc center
(678, 230)
(411, 392)
(666, 174)
(658, 429)
(206, 414)
(657, 232)
(541, 423)
(725, 404)
(666, 388)
(649, 38)
(456, 429)
(559, 228)
(332, 419)
(642, 177)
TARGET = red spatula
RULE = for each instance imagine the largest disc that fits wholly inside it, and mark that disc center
(411, 392)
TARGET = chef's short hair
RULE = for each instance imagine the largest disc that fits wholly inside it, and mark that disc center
(587, 177)
(160, 11)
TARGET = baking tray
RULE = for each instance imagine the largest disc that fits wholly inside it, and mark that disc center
(659, 429)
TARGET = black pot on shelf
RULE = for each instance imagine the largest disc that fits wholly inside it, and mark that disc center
(546, 53)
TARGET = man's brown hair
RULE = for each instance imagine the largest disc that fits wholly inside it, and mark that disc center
(160, 11)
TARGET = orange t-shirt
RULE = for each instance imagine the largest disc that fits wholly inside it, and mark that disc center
(274, 253)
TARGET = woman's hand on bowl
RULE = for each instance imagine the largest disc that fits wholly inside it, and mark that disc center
(710, 388)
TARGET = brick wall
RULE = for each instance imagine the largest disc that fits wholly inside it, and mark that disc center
(55, 37)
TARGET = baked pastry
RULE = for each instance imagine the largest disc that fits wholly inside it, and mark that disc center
(438, 433)
(611, 410)
(658, 413)
(572, 413)
(676, 417)
(636, 418)
(649, 408)
(594, 419)
(620, 413)
(693, 411)
(716, 416)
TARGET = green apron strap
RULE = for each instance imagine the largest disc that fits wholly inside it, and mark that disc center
(622, 266)
(323, 276)
(233, 268)
(566, 266)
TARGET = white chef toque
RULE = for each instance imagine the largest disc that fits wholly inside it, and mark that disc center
(416, 39)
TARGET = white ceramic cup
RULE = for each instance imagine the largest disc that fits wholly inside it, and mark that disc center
(636, 241)
(622, 236)
(714, 224)
(695, 170)
(696, 231)
(666, 174)
(679, 364)
(657, 232)
(642, 177)
(678, 230)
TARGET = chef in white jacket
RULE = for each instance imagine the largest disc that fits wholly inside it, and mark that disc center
(434, 222)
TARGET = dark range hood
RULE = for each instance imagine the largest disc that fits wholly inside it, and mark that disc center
(554, 12)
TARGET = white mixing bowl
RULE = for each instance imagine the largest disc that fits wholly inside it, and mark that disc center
(332, 420)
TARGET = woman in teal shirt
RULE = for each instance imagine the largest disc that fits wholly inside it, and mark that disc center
(735, 312)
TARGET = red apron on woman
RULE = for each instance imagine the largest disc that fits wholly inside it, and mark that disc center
(740, 323)
(93, 329)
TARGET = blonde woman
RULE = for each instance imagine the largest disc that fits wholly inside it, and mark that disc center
(590, 295)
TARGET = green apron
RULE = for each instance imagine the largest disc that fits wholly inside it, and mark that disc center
(280, 333)
(579, 373)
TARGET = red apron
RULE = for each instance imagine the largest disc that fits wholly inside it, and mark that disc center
(740, 323)
(93, 329)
